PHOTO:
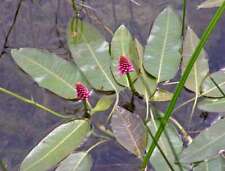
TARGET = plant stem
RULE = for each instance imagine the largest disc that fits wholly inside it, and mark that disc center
(86, 109)
(131, 85)
(186, 136)
(184, 16)
(159, 148)
(34, 103)
(183, 79)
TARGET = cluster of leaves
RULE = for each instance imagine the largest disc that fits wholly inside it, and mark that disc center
(95, 64)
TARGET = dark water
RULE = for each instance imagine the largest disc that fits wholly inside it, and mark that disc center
(42, 24)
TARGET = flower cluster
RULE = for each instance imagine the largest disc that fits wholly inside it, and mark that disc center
(82, 92)
(125, 66)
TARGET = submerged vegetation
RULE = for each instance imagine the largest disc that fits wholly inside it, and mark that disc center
(108, 68)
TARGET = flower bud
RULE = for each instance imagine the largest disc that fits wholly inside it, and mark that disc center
(82, 92)
(125, 66)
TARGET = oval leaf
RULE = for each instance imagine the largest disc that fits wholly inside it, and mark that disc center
(212, 105)
(168, 138)
(80, 161)
(104, 103)
(49, 71)
(129, 131)
(210, 89)
(121, 45)
(56, 146)
(162, 56)
(217, 164)
(200, 68)
(211, 4)
(162, 95)
(206, 145)
(90, 52)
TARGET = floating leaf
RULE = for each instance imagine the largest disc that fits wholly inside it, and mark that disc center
(121, 45)
(56, 146)
(217, 164)
(90, 52)
(49, 71)
(211, 4)
(80, 161)
(200, 68)
(162, 95)
(162, 57)
(209, 89)
(171, 137)
(206, 145)
(129, 131)
(104, 103)
(212, 105)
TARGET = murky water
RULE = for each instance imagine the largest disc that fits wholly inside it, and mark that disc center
(42, 24)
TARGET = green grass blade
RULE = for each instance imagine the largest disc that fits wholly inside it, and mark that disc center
(183, 79)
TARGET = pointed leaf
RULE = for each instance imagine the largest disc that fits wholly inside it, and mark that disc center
(56, 146)
(104, 103)
(144, 83)
(212, 105)
(157, 160)
(121, 45)
(206, 145)
(129, 131)
(162, 56)
(162, 95)
(49, 71)
(200, 68)
(211, 4)
(217, 164)
(209, 89)
(80, 161)
(89, 50)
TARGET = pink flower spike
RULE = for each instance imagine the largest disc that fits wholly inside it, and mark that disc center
(125, 66)
(82, 92)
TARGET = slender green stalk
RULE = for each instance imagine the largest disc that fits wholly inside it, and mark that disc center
(217, 86)
(183, 79)
(184, 16)
(159, 148)
(131, 85)
(2, 166)
(2, 90)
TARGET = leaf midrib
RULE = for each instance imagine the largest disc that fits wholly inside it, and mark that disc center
(130, 134)
(164, 46)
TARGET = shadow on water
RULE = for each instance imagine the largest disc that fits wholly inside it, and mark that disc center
(42, 24)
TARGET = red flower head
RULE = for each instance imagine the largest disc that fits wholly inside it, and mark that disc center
(125, 66)
(82, 91)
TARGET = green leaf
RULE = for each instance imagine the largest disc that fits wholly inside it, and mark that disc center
(162, 57)
(129, 131)
(209, 89)
(200, 68)
(212, 105)
(171, 136)
(90, 52)
(56, 146)
(162, 95)
(80, 161)
(211, 4)
(104, 103)
(122, 44)
(206, 145)
(144, 83)
(49, 71)
(217, 164)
